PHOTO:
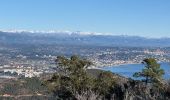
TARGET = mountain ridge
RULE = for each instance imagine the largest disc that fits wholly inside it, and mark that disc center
(78, 38)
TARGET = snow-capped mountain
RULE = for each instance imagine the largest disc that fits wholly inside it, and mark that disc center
(78, 38)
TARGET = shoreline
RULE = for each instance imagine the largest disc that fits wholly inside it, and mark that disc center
(118, 65)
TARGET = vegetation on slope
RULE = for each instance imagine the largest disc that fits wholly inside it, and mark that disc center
(74, 81)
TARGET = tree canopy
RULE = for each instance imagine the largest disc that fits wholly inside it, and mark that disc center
(73, 81)
(152, 72)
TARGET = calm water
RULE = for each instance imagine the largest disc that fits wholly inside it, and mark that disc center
(129, 69)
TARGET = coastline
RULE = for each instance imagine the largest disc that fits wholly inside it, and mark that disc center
(116, 65)
(119, 65)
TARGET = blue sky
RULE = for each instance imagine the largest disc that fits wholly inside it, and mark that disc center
(149, 18)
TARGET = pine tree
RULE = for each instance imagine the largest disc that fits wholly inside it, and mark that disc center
(71, 78)
(152, 73)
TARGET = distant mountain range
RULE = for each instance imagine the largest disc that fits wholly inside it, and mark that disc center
(79, 38)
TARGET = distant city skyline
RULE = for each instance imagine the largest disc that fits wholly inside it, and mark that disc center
(146, 18)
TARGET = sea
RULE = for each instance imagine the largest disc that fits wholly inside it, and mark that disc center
(128, 70)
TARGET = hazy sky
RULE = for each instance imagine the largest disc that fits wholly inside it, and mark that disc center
(121, 17)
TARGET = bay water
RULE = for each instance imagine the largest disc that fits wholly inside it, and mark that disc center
(129, 69)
